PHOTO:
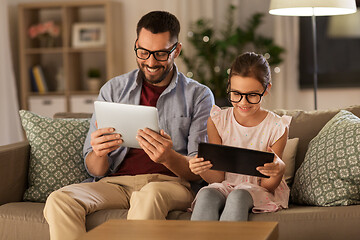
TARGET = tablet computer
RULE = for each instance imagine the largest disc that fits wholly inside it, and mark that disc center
(234, 159)
(126, 119)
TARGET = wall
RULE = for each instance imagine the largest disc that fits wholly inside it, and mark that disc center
(189, 10)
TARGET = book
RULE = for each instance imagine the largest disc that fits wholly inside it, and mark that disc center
(40, 79)
(34, 87)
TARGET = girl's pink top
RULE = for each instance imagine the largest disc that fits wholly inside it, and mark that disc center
(259, 137)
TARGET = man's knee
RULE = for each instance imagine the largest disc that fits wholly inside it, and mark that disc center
(153, 191)
(53, 202)
(55, 197)
(61, 197)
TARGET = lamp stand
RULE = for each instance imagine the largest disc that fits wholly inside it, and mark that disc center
(313, 18)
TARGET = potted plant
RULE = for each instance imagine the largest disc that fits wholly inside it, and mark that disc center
(94, 80)
(214, 52)
(46, 33)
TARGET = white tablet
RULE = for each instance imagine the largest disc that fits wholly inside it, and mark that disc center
(126, 119)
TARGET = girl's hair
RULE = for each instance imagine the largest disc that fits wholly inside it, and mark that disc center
(250, 64)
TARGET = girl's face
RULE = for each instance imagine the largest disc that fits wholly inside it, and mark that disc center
(246, 85)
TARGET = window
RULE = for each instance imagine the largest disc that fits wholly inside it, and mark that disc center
(338, 58)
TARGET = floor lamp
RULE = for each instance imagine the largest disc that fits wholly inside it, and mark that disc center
(312, 8)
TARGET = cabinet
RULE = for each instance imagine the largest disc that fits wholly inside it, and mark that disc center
(64, 64)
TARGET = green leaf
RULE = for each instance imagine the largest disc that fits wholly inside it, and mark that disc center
(223, 47)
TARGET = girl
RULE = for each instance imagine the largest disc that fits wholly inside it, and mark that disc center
(230, 196)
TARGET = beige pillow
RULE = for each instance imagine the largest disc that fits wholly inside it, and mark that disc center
(289, 159)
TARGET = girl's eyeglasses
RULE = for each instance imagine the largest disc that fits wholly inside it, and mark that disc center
(252, 98)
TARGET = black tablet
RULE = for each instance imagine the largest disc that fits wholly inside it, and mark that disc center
(234, 159)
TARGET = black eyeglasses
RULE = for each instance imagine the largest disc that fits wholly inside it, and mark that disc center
(252, 98)
(160, 55)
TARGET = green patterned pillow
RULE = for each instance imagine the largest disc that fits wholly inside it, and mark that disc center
(330, 173)
(55, 153)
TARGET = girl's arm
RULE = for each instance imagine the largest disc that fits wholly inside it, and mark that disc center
(202, 167)
(276, 169)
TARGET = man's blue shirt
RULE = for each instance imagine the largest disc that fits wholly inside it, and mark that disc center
(183, 108)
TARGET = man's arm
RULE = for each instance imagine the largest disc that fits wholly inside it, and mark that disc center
(102, 142)
(159, 149)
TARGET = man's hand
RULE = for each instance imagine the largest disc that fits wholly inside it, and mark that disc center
(157, 146)
(104, 141)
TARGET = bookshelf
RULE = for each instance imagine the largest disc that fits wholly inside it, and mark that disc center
(64, 64)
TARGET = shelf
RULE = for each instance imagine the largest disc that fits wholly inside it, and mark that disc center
(43, 50)
(88, 49)
(85, 92)
(50, 93)
(65, 67)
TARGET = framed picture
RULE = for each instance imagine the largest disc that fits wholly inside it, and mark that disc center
(88, 35)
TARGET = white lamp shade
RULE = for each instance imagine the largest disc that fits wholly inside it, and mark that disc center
(312, 7)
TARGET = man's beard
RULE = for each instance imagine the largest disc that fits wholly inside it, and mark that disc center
(155, 81)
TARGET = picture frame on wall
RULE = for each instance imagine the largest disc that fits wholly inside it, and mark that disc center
(88, 35)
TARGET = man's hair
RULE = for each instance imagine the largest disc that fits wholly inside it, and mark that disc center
(159, 22)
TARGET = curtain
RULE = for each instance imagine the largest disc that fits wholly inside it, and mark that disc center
(286, 90)
(11, 131)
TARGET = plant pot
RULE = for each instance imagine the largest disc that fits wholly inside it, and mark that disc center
(47, 42)
(94, 84)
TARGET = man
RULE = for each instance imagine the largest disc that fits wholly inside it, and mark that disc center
(153, 180)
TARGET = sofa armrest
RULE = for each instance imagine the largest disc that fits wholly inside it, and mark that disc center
(14, 159)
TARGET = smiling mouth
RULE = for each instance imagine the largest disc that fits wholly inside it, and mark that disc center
(244, 108)
(153, 70)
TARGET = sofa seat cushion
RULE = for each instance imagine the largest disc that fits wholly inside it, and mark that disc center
(99, 217)
(321, 223)
(23, 220)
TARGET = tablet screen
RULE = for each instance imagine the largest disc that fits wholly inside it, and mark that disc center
(126, 119)
(234, 159)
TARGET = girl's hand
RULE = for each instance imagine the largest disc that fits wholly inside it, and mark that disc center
(199, 166)
(274, 169)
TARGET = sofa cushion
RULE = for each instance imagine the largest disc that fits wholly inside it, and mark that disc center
(55, 153)
(289, 159)
(330, 173)
(305, 125)
(23, 220)
(311, 222)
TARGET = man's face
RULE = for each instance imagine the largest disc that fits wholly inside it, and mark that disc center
(156, 72)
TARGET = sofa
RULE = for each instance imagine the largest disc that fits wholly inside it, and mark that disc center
(24, 219)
